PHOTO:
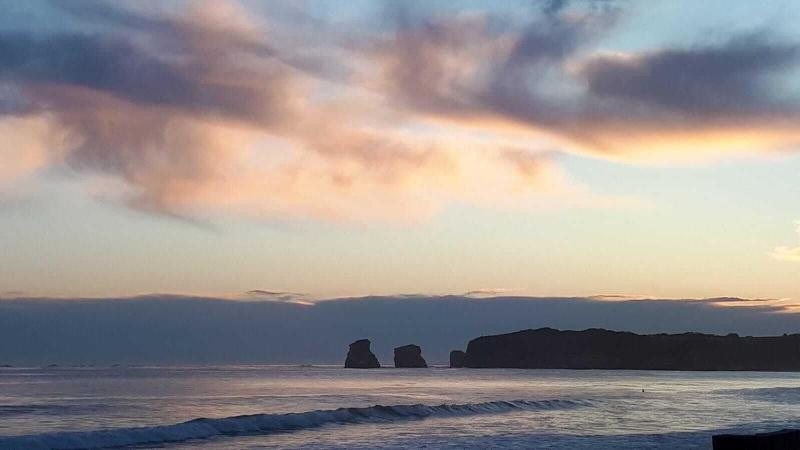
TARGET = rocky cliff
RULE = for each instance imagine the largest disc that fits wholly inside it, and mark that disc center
(360, 356)
(409, 356)
(547, 348)
(457, 358)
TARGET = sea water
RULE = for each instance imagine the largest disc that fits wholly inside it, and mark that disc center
(237, 407)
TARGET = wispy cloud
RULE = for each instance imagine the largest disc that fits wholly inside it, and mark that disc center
(277, 296)
(787, 253)
(493, 292)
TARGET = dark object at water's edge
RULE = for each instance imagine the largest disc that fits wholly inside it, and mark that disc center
(547, 348)
(457, 359)
(409, 356)
(778, 440)
(360, 356)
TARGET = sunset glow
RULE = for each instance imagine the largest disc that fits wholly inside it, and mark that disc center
(553, 148)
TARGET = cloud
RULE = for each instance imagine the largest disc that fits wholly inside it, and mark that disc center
(463, 67)
(204, 330)
(197, 115)
(30, 143)
(278, 296)
(692, 102)
(491, 292)
(209, 109)
(552, 7)
(12, 294)
(666, 104)
(786, 253)
(106, 64)
(728, 80)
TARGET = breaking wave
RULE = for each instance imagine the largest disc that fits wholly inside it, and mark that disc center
(267, 423)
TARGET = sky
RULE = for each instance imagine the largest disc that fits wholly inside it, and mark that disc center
(332, 149)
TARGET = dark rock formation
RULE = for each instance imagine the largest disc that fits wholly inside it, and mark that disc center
(778, 440)
(409, 356)
(457, 358)
(360, 356)
(547, 348)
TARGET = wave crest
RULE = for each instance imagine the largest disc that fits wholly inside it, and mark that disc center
(204, 428)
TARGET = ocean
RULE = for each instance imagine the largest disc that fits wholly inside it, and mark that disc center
(293, 407)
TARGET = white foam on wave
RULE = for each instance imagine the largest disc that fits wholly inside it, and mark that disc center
(266, 423)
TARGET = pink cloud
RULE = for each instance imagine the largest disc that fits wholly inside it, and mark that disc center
(203, 112)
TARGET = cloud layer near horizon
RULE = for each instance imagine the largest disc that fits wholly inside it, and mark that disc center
(216, 109)
(175, 329)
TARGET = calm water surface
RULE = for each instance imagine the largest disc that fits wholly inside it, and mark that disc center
(559, 409)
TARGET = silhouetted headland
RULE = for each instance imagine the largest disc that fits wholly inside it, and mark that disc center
(360, 356)
(547, 348)
(409, 356)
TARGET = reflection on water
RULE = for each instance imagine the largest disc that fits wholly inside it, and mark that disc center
(620, 408)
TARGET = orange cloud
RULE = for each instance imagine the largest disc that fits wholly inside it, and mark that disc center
(29, 144)
(647, 143)
(224, 124)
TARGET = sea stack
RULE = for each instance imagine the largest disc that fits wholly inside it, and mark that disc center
(457, 359)
(360, 356)
(409, 356)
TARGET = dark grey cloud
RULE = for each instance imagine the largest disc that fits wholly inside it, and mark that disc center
(537, 44)
(176, 34)
(137, 96)
(114, 65)
(104, 13)
(97, 62)
(512, 64)
(547, 74)
(517, 87)
(175, 329)
(729, 79)
(552, 8)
